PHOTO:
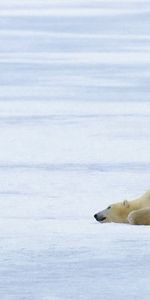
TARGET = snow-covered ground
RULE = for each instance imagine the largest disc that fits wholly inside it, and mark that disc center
(74, 137)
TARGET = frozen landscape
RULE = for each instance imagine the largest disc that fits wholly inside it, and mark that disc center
(75, 137)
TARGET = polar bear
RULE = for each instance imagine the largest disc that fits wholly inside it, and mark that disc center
(136, 212)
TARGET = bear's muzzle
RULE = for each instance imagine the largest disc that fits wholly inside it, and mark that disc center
(99, 218)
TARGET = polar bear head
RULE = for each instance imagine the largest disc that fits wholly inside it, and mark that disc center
(117, 213)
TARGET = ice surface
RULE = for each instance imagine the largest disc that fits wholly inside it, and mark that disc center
(74, 137)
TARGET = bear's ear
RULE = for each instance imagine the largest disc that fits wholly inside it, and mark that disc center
(126, 203)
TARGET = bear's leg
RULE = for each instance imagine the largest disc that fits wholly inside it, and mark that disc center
(132, 217)
(139, 217)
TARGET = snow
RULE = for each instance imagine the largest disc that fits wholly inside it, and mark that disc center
(74, 137)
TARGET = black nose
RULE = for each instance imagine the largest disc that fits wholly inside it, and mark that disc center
(95, 216)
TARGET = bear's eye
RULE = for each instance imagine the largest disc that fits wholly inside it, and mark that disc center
(108, 207)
